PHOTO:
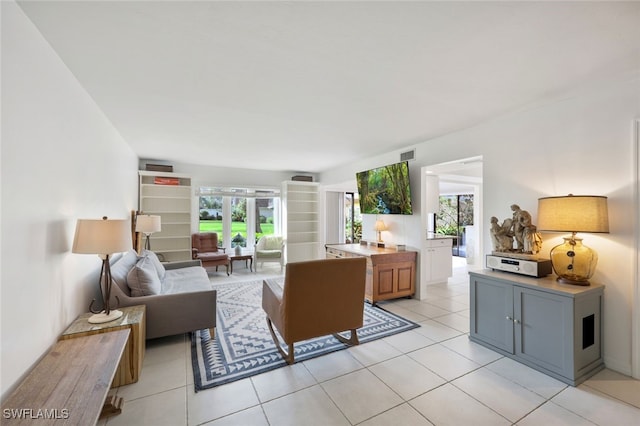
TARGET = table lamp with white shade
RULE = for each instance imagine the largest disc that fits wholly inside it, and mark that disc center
(379, 227)
(103, 237)
(148, 224)
(573, 262)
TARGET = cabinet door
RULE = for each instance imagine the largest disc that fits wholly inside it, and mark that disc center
(385, 280)
(441, 263)
(406, 278)
(437, 260)
(544, 329)
(492, 313)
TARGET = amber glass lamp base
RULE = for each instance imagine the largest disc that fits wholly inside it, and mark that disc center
(573, 262)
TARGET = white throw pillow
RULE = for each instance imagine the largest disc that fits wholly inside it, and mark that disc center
(143, 278)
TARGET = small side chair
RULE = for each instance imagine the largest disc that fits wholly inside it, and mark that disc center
(204, 247)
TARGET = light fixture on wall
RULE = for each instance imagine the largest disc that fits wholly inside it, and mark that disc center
(103, 237)
(148, 224)
(379, 227)
(573, 262)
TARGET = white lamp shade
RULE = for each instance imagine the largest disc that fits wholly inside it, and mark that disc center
(573, 213)
(380, 226)
(148, 224)
(102, 236)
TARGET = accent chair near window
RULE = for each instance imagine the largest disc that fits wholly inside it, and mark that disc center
(269, 248)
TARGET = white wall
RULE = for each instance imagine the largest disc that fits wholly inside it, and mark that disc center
(582, 145)
(61, 160)
(334, 217)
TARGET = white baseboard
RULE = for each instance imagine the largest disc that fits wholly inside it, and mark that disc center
(618, 366)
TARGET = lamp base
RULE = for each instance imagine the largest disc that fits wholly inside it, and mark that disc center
(573, 262)
(565, 280)
(102, 317)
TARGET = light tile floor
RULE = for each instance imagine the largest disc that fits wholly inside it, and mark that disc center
(430, 375)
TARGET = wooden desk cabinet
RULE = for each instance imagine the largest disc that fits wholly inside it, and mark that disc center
(133, 318)
(390, 274)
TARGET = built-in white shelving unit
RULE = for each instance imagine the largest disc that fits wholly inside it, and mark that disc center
(168, 195)
(301, 221)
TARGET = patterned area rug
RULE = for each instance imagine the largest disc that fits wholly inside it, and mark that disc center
(243, 347)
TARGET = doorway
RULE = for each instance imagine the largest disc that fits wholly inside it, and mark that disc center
(453, 179)
(454, 216)
(353, 219)
(635, 313)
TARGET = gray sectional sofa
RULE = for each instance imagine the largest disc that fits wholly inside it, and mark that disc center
(178, 296)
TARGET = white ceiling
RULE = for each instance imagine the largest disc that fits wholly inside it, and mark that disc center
(458, 177)
(307, 86)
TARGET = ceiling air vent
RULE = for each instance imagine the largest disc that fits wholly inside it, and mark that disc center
(408, 156)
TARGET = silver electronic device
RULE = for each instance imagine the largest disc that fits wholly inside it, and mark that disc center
(533, 268)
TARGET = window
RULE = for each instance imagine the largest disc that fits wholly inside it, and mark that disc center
(265, 216)
(238, 221)
(353, 218)
(239, 215)
(456, 212)
(211, 215)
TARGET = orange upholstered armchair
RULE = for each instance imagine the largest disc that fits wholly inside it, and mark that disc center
(204, 247)
(319, 297)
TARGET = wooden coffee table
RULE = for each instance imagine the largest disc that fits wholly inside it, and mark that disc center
(246, 257)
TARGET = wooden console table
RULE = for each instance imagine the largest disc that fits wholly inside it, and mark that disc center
(70, 384)
(390, 274)
(133, 318)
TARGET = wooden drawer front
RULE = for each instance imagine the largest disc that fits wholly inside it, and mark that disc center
(333, 253)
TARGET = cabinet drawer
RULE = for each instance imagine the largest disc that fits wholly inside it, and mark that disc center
(439, 242)
(331, 252)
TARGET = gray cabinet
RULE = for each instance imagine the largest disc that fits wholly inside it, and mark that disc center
(552, 327)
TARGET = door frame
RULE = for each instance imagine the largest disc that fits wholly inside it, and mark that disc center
(446, 172)
(635, 309)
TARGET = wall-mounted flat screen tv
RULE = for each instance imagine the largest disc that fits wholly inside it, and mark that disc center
(385, 190)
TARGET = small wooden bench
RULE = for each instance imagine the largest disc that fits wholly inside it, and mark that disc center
(70, 384)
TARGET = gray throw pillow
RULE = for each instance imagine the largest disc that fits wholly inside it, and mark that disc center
(121, 267)
(143, 278)
(156, 262)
